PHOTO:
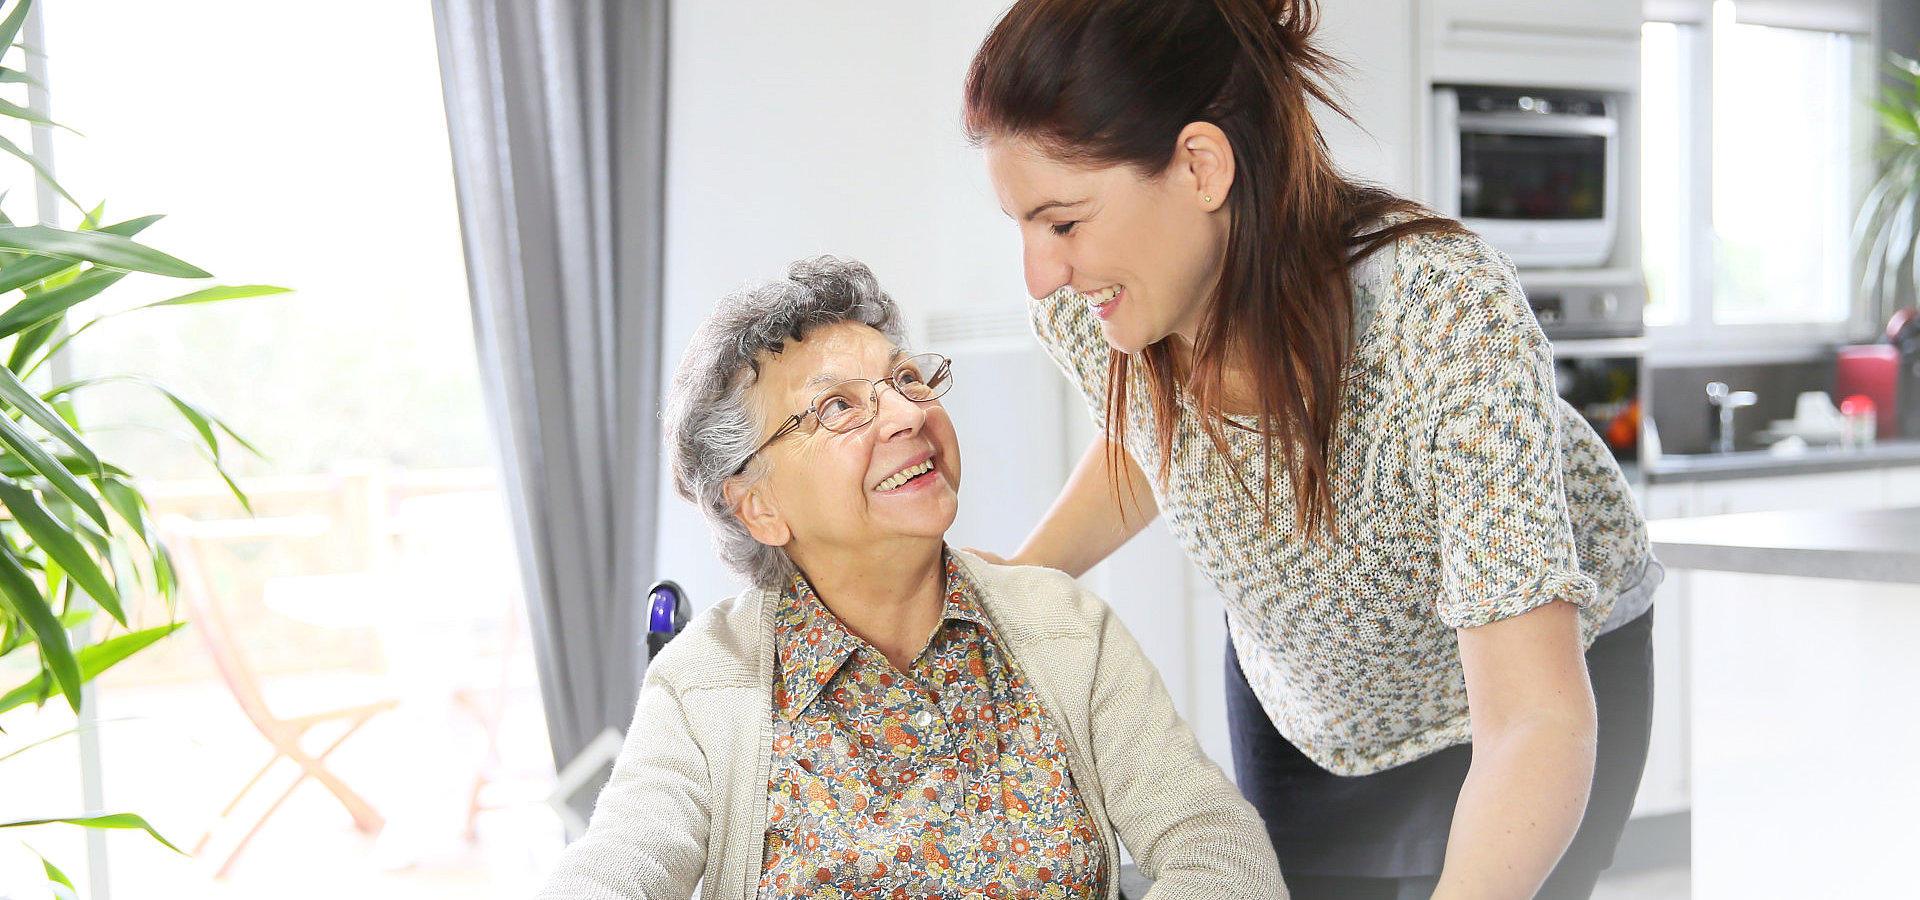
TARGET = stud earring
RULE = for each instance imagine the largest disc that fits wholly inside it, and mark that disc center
(1206, 199)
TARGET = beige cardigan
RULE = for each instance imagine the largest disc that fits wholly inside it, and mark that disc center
(687, 801)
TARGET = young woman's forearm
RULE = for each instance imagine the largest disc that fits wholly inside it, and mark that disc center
(1534, 733)
(1089, 521)
(1522, 802)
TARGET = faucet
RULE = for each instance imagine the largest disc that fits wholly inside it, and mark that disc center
(1727, 401)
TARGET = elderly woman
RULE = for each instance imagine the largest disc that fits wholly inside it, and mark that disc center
(882, 715)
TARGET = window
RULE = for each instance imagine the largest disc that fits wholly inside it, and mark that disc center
(376, 571)
(1750, 164)
(1781, 104)
(1661, 62)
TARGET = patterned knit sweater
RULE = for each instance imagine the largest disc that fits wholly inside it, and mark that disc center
(1465, 491)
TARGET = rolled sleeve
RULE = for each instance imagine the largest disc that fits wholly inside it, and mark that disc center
(1506, 542)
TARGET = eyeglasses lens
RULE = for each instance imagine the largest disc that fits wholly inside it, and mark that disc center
(851, 404)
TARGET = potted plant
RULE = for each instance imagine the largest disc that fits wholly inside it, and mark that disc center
(76, 535)
(1888, 227)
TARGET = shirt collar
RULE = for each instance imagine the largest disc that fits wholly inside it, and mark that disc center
(813, 644)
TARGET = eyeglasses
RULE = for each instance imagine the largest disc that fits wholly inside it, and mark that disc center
(853, 403)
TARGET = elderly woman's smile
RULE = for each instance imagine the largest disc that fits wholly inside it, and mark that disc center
(835, 484)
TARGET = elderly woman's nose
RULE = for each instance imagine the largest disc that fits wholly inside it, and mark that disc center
(896, 413)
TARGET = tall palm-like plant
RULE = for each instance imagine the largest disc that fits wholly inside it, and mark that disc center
(76, 534)
(1888, 227)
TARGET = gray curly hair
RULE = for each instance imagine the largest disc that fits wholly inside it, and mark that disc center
(712, 428)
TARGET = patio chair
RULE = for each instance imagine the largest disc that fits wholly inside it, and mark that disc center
(184, 539)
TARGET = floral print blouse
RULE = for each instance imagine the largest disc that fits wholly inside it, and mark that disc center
(945, 780)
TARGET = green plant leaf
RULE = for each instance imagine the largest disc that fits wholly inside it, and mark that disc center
(46, 305)
(202, 421)
(222, 292)
(57, 877)
(98, 247)
(127, 502)
(43, 464)
(26, 270)
(15, 76)
(45, 740)
(19, 271)
(93, 660)
(22, 597)
(13, 467)
(60, 544)
(44, 173)
(10, 26)
(101, 820)
(30, 405)
(30, 341)
(24, 114)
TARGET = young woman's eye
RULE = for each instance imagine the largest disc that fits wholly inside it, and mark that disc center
(1064, 228)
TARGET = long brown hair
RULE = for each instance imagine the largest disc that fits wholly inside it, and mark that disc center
(1111, 82)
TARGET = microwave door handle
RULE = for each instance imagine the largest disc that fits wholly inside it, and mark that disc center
(1529, 123)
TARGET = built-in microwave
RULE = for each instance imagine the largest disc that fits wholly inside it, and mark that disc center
(1535, 172)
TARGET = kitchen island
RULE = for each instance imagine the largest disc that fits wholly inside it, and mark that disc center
(1880, 545)
(1801, 671)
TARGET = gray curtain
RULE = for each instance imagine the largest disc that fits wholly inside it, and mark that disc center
(557, 117)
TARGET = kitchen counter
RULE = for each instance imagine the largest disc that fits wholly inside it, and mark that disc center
(1798, 692)
(1762, 463)
(1862, 545)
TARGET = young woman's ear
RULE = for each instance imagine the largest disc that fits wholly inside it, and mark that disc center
(1203, 158)
(753, 504)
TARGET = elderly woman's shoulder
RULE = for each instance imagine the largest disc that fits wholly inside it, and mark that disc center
(720, 647)
(1035, 596)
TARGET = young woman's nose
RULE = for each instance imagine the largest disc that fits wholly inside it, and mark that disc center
(1045, 269)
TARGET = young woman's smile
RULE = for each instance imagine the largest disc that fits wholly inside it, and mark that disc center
(1142, 253)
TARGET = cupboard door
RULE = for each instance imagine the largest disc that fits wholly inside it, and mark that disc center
(1862, 489)
(1903, 486)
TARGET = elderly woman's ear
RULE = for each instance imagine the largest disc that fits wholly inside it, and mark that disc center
(752, 503)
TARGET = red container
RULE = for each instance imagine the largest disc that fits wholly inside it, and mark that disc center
(1873, 370)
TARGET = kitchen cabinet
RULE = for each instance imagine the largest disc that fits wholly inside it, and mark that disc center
(1859, 489)
(1801, 676)
(1666, 785)
(1591, 44)
(1903, 486)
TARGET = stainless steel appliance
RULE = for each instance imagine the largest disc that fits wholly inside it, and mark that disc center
(1599, 348)
(1536, 172)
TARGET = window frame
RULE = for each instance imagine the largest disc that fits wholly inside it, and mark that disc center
(1696, 337)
